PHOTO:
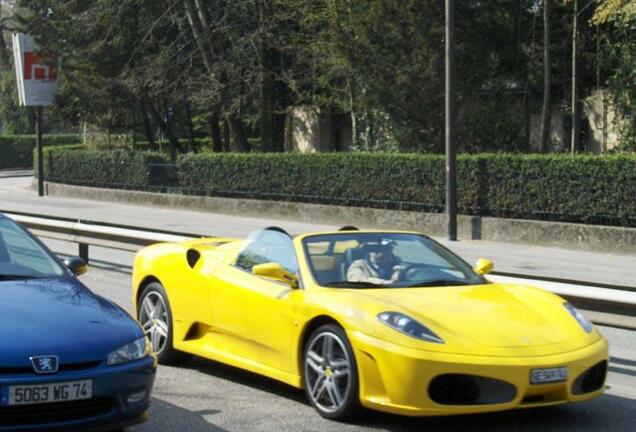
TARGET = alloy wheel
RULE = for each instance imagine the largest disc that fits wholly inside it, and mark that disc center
(328, 372)
(153, 316)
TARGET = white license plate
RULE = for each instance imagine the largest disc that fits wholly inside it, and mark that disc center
(549, 375)
(53, 392)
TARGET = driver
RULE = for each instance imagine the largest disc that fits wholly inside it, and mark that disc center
(379, 267)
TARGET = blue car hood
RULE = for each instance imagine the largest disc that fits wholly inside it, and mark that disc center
(60, 317)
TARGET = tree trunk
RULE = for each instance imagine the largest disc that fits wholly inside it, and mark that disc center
(279, 132)
(150, 136)
(170, 127)
(188, 112)
(574, 146)
(354, 123)
(199, 30)
(547, 79)
(267, 81)
(174, 145)
(227, 145)
(215, 129)
(237, 127)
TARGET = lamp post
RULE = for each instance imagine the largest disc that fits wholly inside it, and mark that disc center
(451, 118)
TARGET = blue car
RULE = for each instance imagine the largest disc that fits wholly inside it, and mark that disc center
(69, 359)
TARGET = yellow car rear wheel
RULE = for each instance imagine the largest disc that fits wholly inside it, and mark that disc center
(155, 316)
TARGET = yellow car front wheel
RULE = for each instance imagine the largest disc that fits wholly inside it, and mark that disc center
(330, 373)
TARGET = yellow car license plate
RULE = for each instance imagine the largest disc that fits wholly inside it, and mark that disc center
(548, 375)
(53, 392)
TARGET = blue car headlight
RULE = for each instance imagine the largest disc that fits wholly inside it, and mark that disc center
(132, 351)
(578, 316)
(407, 325)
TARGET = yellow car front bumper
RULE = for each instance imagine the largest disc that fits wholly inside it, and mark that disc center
(406, 381)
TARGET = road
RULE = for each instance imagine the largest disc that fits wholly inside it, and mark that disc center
(201, 395)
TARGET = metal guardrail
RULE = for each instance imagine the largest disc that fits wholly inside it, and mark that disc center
(604, 299)
(90, 233)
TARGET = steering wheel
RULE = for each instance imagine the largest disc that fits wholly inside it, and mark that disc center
(416, 271)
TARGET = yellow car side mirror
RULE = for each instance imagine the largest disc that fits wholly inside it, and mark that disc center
(483, 266)
(277, 272)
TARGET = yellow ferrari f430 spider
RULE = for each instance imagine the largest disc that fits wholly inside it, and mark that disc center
(386, 320)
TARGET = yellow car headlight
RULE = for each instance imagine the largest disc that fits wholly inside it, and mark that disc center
(578, 316)
(407, 325)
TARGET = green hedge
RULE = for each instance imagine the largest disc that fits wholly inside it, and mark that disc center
(120, 169)
(342, 178)
(16, 151)
(588, 189)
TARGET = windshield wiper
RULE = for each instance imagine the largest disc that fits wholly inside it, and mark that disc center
(352, 284)
(437, 282)
(8, 277)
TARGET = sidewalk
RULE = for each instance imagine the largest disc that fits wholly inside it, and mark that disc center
(15, 172)
(17, 195)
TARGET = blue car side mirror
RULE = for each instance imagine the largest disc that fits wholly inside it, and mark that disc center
(76, 265)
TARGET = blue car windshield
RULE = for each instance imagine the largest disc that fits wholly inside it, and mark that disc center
(21, 257)
(385, 260)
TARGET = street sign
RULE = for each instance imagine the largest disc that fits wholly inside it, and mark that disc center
(37, 74)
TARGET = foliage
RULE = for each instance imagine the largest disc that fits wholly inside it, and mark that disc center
(119, 169)
(577, 189)
(182, 70)
(621, 54)
(16, 150)
(610, 10)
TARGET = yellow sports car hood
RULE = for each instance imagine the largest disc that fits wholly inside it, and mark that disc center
(488, 314)
(494, 318)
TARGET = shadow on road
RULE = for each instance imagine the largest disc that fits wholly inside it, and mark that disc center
(167, 417)
(581, 418)
(606, 413)
(240, 376)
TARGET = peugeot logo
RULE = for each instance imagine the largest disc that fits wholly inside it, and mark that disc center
(45, 364)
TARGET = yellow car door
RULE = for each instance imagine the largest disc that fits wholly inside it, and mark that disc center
(253, 315)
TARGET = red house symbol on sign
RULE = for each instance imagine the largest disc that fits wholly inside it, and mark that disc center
(34, 68)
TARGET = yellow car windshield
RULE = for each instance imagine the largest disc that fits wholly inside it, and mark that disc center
(387, 260)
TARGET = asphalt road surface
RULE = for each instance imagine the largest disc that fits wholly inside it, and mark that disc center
(202, 395)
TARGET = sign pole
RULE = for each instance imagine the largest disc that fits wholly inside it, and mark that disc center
(39, 112)
(451, 151)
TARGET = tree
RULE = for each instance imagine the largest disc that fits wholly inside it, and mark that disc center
(547, 79)
(231, 69)
(620, 58)
(610, 10)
